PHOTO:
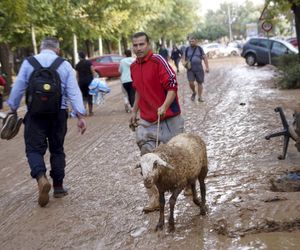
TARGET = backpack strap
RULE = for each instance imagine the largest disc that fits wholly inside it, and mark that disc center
(200, 50)
(56, 63)
(34, 62)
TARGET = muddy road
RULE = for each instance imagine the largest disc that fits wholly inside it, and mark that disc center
(104, 207)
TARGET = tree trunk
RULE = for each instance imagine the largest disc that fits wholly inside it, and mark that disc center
(6, 66)
(296, 10)
(125, 43)
(108, 45)
(89, 48)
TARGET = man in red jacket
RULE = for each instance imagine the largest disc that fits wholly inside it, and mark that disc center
(156, 99)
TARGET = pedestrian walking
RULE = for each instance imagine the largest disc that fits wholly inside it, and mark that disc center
(163, 52)
(126, 80)
(85, 74)
(50, 82)
(156, 100)
(194, 54)
(176, 56)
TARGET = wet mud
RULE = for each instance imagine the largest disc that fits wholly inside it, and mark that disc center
(104, 207)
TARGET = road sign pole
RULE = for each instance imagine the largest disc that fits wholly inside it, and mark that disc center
(270, 62)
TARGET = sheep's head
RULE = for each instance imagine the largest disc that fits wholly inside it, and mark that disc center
(149, 165)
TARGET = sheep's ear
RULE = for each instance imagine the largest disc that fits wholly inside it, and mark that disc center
(159, 162)
(138, 166)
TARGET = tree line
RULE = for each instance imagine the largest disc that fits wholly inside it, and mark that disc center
(25, 22)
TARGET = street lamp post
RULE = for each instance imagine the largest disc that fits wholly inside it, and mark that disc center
(229, 22)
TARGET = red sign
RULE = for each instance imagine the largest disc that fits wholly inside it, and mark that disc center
(266, 26)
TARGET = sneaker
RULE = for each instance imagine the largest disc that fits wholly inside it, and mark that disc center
(16, 129)
(44, 188)
(200, 99)
(193, 96)
(9, 124)
(59, 192)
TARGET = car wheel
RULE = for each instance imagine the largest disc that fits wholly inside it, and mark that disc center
(250, 59)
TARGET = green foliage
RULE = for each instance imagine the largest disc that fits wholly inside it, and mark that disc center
(241, 14)
(211, 32)
(289, 67)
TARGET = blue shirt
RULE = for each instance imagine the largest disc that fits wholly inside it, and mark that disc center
(69, 85)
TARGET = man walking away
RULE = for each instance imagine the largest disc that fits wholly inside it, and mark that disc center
(85, 74)
(175, 56)
(49, 82)
(163, 52)
(126, 80)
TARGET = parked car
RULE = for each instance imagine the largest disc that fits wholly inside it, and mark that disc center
(257, 50)
(217, 49)
(293, 41)
(107, 65)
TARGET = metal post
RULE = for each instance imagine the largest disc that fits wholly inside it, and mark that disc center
(269, 52)
(229, 23)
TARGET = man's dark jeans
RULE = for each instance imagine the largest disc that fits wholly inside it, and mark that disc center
(40, 132)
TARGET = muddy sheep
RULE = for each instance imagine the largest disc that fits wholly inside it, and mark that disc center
(174, 166)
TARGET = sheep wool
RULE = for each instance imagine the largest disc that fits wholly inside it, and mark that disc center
(174, 166)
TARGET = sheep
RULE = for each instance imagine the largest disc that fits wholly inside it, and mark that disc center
(174, 166)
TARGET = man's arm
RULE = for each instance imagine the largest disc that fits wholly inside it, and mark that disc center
(93, 71)
(206, 64)
(19, 86)
(171, 95)
(75, 96)
(135, 109)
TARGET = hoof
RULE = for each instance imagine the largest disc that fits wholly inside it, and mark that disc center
(202, 211)
(171, 229)
(159, 226)
(150, 209)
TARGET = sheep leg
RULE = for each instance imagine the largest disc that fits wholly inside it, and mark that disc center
(203, 193)
(161, 221)
(172, 202)
(194, 192)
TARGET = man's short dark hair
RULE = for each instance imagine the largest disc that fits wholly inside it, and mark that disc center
(81, 55)
(127, 53)
(139, 34)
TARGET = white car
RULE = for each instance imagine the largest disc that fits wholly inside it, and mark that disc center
(216, 49)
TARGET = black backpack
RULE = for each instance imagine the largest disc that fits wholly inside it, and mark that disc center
(43, 95)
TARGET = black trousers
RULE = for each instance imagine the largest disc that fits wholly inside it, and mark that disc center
(42, 132)
(130, 91)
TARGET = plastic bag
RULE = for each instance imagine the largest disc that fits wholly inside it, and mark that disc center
(98, 89)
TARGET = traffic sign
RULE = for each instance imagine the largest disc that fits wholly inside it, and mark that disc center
(266, 26)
